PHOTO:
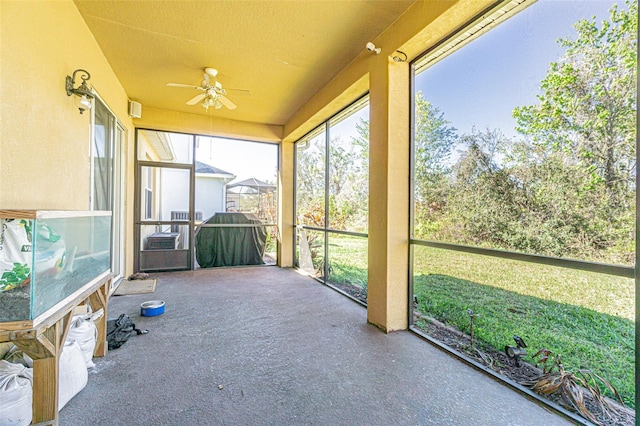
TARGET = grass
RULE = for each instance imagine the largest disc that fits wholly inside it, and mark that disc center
(348, 259)
(587, 318)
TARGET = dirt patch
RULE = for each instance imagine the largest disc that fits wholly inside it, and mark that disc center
(522, 373)
(354, 291)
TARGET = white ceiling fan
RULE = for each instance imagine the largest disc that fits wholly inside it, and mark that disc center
(213, 94)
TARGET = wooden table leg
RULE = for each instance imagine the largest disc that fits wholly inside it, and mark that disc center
(45, 378)
(99, 300)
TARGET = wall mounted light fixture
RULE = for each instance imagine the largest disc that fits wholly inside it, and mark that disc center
(399, 56)
(83, 91)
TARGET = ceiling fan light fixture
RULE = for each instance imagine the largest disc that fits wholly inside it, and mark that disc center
(212, 94)
(211, 71)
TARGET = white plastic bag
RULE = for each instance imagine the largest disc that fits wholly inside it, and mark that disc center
(73, 374)
(83, 330)
(16, 237)
(16, 394)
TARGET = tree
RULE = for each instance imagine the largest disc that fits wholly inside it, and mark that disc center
(310, 180)
(435, 138)
(587, 107)
(348, 184)
(347, 181)
(483, 203)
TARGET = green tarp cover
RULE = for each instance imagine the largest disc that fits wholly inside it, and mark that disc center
(231, 246)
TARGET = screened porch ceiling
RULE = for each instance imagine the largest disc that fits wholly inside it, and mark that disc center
(279, 54)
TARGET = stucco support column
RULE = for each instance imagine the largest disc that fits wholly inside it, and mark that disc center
(285, 204)
(388, 286)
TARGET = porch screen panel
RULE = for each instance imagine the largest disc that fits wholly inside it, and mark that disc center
(524, 184)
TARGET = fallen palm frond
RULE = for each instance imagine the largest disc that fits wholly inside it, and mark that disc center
(575, 388)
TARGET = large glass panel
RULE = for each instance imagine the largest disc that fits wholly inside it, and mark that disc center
(348, 257)
(164, 200)
(585, 317)
(235, 202)
(525, 142)
(107, 156)
(349, 169)
(310, 252)
(311, 179)
(103, 158)
(165, 147)
(236, 176)
(341, 166)
(164, 193)
(270, 256)
(525, 137)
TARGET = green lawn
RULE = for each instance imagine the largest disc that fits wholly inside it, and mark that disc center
(348, 260)
(588, 318)
(585, 317)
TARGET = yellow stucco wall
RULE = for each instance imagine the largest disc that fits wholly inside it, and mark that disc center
(199, 124)
(44, 141)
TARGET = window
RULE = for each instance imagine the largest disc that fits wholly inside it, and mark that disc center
(107, 170)
(148, 203)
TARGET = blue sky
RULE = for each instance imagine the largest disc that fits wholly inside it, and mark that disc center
(480, 84)
(244, 159)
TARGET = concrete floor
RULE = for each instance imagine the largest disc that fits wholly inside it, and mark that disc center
(267, 346)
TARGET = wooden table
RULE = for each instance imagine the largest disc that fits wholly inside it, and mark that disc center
(43, 339)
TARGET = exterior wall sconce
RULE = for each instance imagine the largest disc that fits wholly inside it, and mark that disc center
(399, 56)
(83, 91)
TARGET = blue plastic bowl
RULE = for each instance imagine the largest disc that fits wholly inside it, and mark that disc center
(152, 308)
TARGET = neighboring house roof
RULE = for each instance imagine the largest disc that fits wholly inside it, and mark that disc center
(210, 170)
(255, 184)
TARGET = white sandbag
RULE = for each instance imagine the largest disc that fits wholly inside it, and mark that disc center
(83, 330)
(73, 374)
(16, 394)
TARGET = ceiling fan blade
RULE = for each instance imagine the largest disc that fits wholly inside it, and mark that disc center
(239, 92)
(188, 86)
(196, 99)
(226, 102)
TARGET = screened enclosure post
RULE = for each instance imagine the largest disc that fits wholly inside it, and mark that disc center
(388, 281)
(286, 204)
